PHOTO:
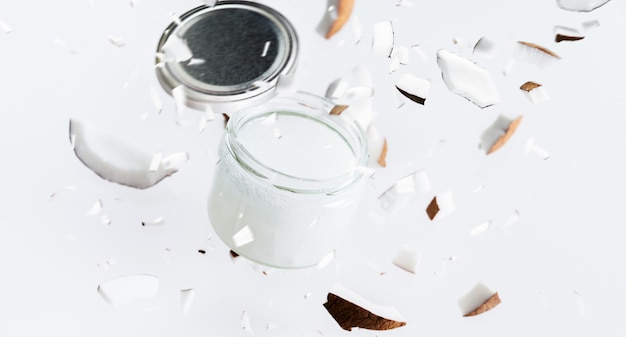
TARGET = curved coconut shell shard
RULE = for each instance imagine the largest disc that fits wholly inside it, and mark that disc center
(338, 109)
(535, 54)
(349, 315)
(510, 130)
(487, 305)
(529, 86)
(344, 10)
(499, 133)
(382, 158)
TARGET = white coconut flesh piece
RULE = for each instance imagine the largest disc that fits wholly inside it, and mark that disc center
(399, 56)
(186, 299)
(413, 88)
(535, 92)
(581, 5)
(478, 300)
(117, 160)
(485, 48)
(467, 79)
(383, 38)
(535, 54)
(128, 289)
(441, 205)
(405, 190)
(408, 259)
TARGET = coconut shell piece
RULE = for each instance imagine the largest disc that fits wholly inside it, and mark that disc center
(540, 48)
(383, 155)
(338, 109)
(506, 136)
(349, 315)
(529, 86)
(489, 304)
(561, 37)
(432, 209)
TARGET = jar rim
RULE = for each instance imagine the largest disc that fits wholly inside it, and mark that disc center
(317, 109)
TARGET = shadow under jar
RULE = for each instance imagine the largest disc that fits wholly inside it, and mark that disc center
(288, 181)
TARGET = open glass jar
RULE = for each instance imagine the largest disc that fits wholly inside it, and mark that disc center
(288, 181)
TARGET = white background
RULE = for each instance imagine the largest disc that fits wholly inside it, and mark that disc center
(559, 270)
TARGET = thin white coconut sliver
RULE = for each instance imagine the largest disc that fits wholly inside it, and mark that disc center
(467, 79)
(128, 289)
(349, 295)
(408, 259)
(383, 38)
(117, 160)
(404, 191)
(186, 299)
(445, 202)
(475, 297)
(581, 5)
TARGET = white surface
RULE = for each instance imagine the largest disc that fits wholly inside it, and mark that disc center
(559, 269)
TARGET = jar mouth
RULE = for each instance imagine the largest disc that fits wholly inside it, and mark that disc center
(238, 49)
(312, 111)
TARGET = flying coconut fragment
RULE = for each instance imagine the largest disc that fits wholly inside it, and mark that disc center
(383, 38)
(478, 300)
(581, 5)
(535, 92)
(403, 191)
(467, 79)
(485, 48)
(440, 206)
(499, 133)
(117, 160)
(399, 56)
(186, 299)
(344, 10)
(535, 54)
(408, 259)
(350, 310)
(567, 34)
(355, 90)
(128, 289)
(413, 88)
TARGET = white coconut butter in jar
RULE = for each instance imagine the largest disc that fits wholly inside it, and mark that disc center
(288, 181)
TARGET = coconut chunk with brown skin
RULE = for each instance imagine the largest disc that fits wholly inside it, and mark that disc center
(499, 133)
(405, 190)
(441, 205)
(535, 54)
(478, 300)
(535, 92)
(350, 310)
(413, 88)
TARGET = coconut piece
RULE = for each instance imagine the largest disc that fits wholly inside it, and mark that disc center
(117, 160)
(567, 34)
(338, 109)
(399, 56)
(408, 259)
(326, 260)
(499, 133)
(243, 237)
(127, 289)
(245, 323)
(350, 310)
(186, 299)
(344, 10)
(175, 49)
(156, 222)
(581, 5)
(383, 38)
(96, 208)
(413, 88)
(465, 78)
(480, 229)
(116, 41)
(478, 300)
(404, 191)
(535, 54)
(382, 158)
(485, 48)
(356, 90)
(534, 92)
(531, 147)
(441, 205)
(5, 27)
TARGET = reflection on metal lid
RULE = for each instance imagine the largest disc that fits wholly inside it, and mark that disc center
(233, 51)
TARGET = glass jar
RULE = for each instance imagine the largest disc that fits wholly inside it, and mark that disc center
(288, 181)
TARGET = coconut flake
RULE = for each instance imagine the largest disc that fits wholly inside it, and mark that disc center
(116, 41)
(581, 5)
(408, 259)
(478, 300)
(413, 88)
(499, 133)
(156, 100)
(465, 78)
(440, 206)
(96, 208)
(382, 157)
(480, 229)
(383, 38)
(535, 54)
(404, 191)
(399, 56)
(156, 222)
(326, 260)
(128, 289)
(186, 299)
(350, 310)
(485, 48)
(117, 160)
(243, 237)
(535, 92)
(245, 323)
(567, 34)
(5, 27)
(357, 30)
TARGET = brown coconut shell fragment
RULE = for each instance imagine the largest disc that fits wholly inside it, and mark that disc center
(349, 315)
(489, 304)
(506, 136)
(540, 48)
(338, 109)
(561, 37)
(382, 159)
(344, 10)
(432, 209)
(529, 86)
(415, 98)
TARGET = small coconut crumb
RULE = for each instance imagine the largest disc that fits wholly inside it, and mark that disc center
(5, 27)
(96, 208)
(480, 229)
(408, 259)
(511, 219)
(326, 260)
(467, 79)
(443, 267)
(535, 54)
(404, 191)
(581, 5)
(383, 38)
(245, 323)
(243, 237)
(478, 300)
(128, 289)
(440, 206)
(350, 310)
(486, 48)
(116, 41)
(186, 299)
(404, 3)
(413, 88)
(155, 222)
(105, 220)
(499, 133)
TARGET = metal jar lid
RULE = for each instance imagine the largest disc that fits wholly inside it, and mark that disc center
(231, 54)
